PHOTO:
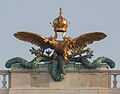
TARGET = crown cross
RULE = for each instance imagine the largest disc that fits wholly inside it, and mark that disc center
(60, 12)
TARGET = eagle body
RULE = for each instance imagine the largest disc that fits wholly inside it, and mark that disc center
(60, 47)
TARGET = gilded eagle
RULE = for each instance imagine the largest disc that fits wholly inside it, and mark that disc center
(60, 47)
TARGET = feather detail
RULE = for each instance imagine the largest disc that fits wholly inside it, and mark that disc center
(33, 38)
(85, 39)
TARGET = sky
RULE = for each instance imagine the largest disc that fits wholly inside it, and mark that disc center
(35, 16)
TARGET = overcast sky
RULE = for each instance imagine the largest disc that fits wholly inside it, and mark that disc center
(35, 15)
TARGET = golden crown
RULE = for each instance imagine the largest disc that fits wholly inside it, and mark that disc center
(60, 24)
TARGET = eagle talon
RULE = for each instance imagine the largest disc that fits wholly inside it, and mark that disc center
(67, 61)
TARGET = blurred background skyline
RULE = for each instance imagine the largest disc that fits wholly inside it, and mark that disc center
(34, 16)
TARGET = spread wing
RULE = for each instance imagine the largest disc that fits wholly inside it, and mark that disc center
(84, 40)
(33, 38)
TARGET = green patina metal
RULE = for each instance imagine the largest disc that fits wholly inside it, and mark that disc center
(58, 66)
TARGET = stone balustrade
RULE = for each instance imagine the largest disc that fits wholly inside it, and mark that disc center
(115, 74)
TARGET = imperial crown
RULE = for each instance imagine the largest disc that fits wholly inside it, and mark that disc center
(60, 24)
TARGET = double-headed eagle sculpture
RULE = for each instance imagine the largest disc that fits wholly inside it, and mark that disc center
(60, 48)
(61, 57)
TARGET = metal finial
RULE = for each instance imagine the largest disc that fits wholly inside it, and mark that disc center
(60, 12)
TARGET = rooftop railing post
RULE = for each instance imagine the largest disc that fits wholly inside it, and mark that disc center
(115, 81)
(4, 81)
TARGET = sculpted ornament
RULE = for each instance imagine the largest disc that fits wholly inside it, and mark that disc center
(65, 51)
